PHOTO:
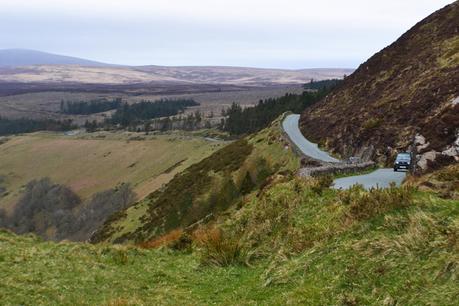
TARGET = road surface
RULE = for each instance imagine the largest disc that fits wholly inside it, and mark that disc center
(291, 127)
(379, 178)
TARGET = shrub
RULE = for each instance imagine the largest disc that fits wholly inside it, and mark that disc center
(2, 188)
(217, 248)
(97, 209)
(372, 123)
(320, 183)
(367, 204)
(44, 205)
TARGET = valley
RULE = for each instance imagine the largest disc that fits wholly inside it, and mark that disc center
(218, 185)
(90, 163)
(41, 105)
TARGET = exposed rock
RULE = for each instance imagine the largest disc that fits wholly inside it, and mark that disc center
(453, 151)
(424, 158)
(420, 142)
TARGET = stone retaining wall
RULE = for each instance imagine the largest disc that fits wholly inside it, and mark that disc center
(336, 168)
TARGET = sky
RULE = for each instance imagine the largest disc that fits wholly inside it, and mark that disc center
(290, 34)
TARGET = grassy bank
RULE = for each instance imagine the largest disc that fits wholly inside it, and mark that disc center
(297, 243)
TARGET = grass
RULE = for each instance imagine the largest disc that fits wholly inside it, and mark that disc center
(302, 250)
(91, 163)
(207, 188)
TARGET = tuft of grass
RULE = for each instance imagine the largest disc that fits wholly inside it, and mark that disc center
(218, 248)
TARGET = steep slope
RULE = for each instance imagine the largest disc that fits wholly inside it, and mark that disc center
(410, 87)
(204, 190)
(24, 57)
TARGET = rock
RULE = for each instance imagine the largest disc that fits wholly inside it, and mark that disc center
(453, 150)
(424, 158)
(420, 142)
(455, 101)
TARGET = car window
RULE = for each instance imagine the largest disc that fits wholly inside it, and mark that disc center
(403, 157)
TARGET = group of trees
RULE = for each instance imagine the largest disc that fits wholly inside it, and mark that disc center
(251, 119)
(322, 85)
(89, 107)
(188, 122)
(55, 212)
(129, 114)
(23, 125)
(240, 120)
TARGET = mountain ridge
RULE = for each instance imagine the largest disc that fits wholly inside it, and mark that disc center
(17, 57)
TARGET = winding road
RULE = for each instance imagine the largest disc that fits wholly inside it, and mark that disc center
(381, 178)
(291, 127)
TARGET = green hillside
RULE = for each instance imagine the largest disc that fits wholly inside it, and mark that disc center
(296, 242)
(205, 189)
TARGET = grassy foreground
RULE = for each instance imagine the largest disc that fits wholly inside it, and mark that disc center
(295, 242)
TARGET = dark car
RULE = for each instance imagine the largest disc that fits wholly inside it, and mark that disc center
(403, 161)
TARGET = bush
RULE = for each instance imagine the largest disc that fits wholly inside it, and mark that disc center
(55, 212)
(217, 248)
(43, 206)
(2, 187)
(320, 183)
(367, 204)
(96, 211)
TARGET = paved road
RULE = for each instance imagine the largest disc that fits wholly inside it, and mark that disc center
(291, 127)
(378, 178)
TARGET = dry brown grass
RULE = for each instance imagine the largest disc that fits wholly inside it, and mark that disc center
(217, 248)
(164, 240)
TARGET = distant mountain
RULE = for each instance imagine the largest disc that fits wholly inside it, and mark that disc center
(24, 57)
(409, 89)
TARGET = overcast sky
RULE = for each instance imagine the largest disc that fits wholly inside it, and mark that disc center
(257, 33)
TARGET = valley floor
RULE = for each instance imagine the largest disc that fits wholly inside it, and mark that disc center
(94, 162)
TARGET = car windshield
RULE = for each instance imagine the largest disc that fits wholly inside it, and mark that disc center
(403, 156)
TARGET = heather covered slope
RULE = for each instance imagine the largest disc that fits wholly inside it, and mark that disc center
(410, 87)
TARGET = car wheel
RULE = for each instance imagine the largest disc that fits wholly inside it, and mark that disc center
(395, 169)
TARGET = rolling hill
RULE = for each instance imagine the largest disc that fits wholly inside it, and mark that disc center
(151, 75)
(405, 96)
(25, 57)
(30, 66)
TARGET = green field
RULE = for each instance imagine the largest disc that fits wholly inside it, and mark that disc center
(90, 163)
